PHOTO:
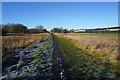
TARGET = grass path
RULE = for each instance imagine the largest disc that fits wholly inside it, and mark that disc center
(83, 65)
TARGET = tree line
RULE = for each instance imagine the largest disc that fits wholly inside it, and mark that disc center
(61, 30)
(20, 28)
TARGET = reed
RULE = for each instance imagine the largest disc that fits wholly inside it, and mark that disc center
(11, 42)
(104, 44)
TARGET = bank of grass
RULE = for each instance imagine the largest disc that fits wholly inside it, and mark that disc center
(83, 65)
(105, 44)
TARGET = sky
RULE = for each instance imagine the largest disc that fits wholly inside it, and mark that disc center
(60, 0)
(69, 15)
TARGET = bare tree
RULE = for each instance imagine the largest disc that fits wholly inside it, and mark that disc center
(40, 27)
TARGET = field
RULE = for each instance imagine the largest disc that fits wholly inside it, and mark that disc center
(104, 44)
(60, 55)
(31, 53)
(81, 64)
(10, 42)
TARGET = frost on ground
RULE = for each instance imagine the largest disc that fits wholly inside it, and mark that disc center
(84, 66)
(34, 61)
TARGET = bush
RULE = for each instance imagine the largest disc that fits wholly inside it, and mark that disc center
(15, 28)
(59, 30)
(4, 32)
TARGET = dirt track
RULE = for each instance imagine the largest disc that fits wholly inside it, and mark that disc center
(59, 65)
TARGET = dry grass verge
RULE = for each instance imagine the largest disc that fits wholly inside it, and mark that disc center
(19, 41)
(11, 42)
(100, 45)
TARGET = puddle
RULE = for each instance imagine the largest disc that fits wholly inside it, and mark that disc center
(26, 53)
(60, 64)
(59, 59)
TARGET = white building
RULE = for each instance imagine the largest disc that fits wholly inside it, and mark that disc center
(80, 30)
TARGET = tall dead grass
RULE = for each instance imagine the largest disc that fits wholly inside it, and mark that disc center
(11, 42)
(104, 44)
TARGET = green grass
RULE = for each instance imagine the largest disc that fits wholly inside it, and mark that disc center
(68, 50)
(83, 64)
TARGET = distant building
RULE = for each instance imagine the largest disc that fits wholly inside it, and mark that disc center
(80, 30)
(99, 29)
(105, 29)
(114, 28)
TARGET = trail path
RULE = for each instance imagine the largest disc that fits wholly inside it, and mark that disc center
(58, 69)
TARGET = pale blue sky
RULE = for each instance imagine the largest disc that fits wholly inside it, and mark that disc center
(70, 15)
